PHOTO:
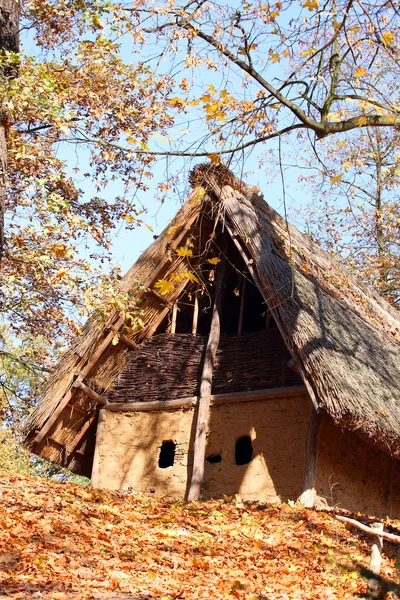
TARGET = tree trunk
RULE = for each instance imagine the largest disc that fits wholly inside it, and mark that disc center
(9, 41)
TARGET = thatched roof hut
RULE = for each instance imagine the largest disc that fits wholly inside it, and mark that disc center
(341, 340)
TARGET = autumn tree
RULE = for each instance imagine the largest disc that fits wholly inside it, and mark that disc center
(9, 45)
(362, 228)
(127, 84)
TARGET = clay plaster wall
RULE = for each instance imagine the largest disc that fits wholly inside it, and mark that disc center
(356, 476)
(128, 447)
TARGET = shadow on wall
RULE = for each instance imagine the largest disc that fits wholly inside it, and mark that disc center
(256, 449)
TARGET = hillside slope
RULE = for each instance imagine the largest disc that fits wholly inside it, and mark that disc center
(61, 541)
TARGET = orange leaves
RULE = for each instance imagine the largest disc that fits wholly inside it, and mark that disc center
(214, 261)
(62, 541)
(359, 72)
(215, 159)
(336, 178)
(274, 56)
(59, 250)
(311, 5)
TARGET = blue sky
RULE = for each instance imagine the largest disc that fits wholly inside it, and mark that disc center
(128, 244)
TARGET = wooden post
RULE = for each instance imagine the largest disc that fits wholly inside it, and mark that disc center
(374, 588)
(389, 487)
(241, 312)
(311, 469)
(195, 312)
(174, 315)
(205, 389)
(96, 457)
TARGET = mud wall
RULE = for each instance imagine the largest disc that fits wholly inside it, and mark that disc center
(128, 450)
(354, 475)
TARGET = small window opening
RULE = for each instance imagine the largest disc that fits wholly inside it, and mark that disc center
(167, 455)
(214, 458)
(243, 450)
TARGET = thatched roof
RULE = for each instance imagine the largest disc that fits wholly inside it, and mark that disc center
(343, 336)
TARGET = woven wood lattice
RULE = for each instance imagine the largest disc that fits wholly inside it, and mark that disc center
(170, 366)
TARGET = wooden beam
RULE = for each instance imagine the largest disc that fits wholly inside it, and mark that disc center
(57, 442)
(174, 316)
(128, 342)
(85, 371)
(195, 312)
(205, 388)
(89, 392)
(292, 364)
(249, 262)
(308, 494)
(157, 295)
(96, 456)
(78, 409)
(215, 400)
(77, 439)
(242, 300)
(165, 311)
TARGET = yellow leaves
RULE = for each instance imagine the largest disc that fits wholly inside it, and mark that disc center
(177, 102)
(215, 159)
(182, 251)
(143, 145)
(362, 121)
(333, 116)
(214, 261)
(311, 5)
(129, 218)
(274, 56)
(59, 250)
(164, 287)
(388, 38)
(213, 109)
(248, 49)
(307, 52)
(359, 72)
(337, 178)
(149, 227)
(347, 164)
(183, 275)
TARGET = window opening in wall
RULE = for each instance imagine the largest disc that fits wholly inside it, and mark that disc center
(243, 450)
(214, 458)
(167, 454)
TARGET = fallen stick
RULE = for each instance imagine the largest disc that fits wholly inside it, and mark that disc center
(387, 536)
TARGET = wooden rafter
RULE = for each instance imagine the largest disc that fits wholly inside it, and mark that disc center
(249, 263)
(215, 400)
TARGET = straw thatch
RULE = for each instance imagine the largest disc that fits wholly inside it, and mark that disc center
(343, 336)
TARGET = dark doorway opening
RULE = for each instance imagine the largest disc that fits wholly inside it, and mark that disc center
(243, 450)
(167, 455)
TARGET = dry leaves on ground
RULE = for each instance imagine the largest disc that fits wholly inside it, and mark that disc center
(61, 541)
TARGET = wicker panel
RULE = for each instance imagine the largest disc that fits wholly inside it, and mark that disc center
(170, 366)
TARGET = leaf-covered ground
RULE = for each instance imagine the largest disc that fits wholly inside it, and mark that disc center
(62, 541)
